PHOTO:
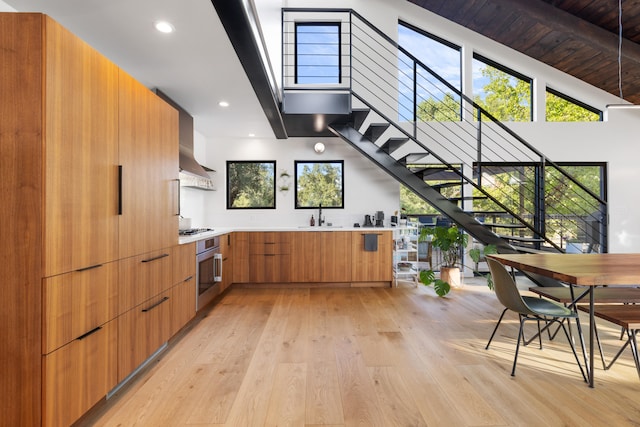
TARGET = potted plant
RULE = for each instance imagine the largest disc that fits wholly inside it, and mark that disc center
(451, 241)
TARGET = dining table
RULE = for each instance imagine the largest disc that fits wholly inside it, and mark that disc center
(588, 270)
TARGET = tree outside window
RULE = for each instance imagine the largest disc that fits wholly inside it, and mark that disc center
(319, 183)
(251, 185)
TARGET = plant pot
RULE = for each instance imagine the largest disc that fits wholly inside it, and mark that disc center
(451, 275)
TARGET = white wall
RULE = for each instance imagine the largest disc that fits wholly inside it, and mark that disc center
(366, 189)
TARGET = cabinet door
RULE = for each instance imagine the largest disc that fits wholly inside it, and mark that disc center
(307, 259)
(78, 375)
(226, 249)
(371, 266)
(148, 144)
(184, 262)
(81, 154)
(143, 277)
(240, 247)
(269, 257)
(183, 303)
(336, 256)
(77, 302)
(141, 331)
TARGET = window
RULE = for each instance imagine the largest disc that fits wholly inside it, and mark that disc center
(251, 185)
(317, 53)
(319, 183)
(561, 108)
(434, 101)
(504, 93)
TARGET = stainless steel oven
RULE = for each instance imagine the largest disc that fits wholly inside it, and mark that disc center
(208, 271)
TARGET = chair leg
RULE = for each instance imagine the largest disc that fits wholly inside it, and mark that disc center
(496, 328)
(515, 357)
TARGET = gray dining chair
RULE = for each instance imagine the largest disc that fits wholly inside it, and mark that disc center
(529, 308)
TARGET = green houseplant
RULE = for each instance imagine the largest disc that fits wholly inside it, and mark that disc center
(451, 241)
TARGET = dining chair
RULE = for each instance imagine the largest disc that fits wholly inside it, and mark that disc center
(529, 308)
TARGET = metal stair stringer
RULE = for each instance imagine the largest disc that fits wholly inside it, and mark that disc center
(406, 177)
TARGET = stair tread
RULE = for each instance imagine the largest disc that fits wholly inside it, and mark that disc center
(498, 225)
(522, 239)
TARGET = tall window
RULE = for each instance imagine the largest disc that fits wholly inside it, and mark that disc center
(504, 93)
(434, 101)
(318, 53)
(561, 108)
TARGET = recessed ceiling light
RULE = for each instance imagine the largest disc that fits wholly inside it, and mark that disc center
(223, 103)
(251, 135)
(164, 27)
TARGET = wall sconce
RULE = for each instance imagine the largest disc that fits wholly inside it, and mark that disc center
(319, 148)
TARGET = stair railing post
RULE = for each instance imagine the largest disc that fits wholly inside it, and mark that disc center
(479, 145)
(539, 219)
(351, 51)
(415, 100)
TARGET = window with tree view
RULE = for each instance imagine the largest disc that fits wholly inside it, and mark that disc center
(504, 93)
(251, 185)
(561, 108)
(319, 183)
(434, 101)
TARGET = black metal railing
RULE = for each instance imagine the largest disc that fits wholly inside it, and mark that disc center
(509, 173)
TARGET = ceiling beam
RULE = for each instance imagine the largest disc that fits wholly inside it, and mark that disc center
(238, 26)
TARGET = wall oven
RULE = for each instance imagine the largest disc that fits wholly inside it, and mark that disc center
(208, 271)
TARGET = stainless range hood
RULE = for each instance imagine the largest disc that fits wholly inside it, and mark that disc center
(192, 174)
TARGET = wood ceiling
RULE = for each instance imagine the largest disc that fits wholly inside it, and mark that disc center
(579, 37)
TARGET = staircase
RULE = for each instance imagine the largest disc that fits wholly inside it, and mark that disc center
(507, 192)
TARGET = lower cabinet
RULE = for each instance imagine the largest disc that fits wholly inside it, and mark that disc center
(183, 304)
(226, 249)
(312, 257)
(79, 374)
(369, 265)
(142, 330)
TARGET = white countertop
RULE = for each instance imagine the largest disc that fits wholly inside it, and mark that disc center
(224, 230)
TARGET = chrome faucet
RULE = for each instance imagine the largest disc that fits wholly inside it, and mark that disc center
(320, 220)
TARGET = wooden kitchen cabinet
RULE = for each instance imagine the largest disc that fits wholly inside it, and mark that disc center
(75, 303)
(148, 158)
(336, 256)
(80, 164)
(183, 302)
(371, 266)
(142, 330)
(226, 249)
(143, 277)
(78, 375)
(269, 257)
(306, 258)
(69, 119)
(240, 248)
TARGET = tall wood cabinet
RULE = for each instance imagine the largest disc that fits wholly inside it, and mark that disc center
(69, 119)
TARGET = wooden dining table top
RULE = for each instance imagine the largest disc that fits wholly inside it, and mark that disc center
(579, 269)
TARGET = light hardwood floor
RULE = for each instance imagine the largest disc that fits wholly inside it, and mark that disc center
(367, 357)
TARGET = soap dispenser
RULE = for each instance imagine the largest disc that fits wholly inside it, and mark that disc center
(312, 222)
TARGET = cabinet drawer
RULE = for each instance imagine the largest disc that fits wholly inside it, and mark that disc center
(143, 277)
(271, 248)
(141, 331)
(77, 302)
(78, 375)
(184, 262)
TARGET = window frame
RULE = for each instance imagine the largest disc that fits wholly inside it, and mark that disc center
(229, 163)
(338, 26)
(573, 101)
(296, 177)
(490, 62)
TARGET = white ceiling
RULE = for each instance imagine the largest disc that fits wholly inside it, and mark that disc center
(196, 65)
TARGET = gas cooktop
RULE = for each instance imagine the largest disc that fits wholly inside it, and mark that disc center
(192, 231)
